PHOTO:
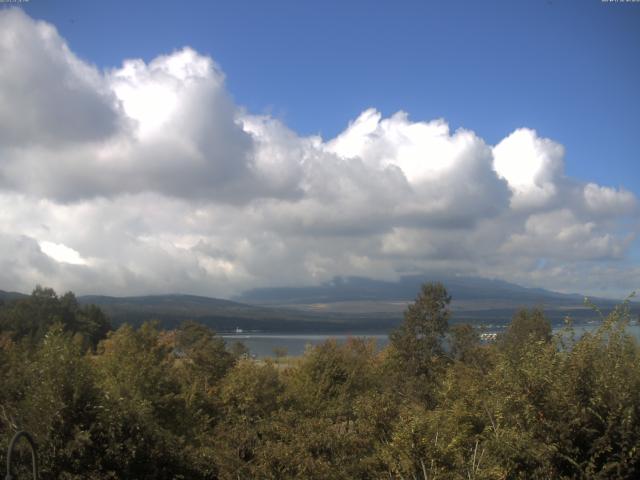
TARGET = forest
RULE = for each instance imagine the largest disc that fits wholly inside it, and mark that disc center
(436, 403)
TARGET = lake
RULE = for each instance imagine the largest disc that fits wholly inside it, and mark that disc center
(262, 344)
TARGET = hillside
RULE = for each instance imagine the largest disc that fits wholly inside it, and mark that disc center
(8, 296)
(342, 305)
(473, 298)
(222, 315)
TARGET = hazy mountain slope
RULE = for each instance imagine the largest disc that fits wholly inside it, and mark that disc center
(474, 298)
(357, 288)
(345, 304)
(8, 296)
(222, 315)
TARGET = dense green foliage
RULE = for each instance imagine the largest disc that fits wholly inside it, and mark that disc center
(152, 404)
(30, 318)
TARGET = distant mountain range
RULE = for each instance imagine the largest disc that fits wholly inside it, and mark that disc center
(345, 304)
(7, 296)
(222, 315)
(474, 299)
(358, 288)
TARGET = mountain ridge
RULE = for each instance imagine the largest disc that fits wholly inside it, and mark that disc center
(342, 304)
(406, 288)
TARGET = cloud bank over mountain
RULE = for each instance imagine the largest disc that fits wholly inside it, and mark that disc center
(148, 178)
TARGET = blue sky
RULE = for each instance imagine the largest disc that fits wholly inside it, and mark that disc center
(212, 147)
(569, 69)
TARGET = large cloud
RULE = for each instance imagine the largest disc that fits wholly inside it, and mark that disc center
(148, 178)
(531, 165)
(49, 97)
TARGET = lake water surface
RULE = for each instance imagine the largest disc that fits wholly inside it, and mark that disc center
(263, 344)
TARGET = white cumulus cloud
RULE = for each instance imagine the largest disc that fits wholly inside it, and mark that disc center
(531, 165)
(148, 178)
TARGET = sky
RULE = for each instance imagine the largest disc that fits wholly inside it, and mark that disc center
(213, 147)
